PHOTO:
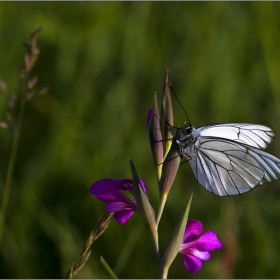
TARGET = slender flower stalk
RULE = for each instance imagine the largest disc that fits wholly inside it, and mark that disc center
(27, 87)
(94, 234)
(108, 269)
(9, 176)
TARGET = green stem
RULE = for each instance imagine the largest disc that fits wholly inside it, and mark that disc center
(164, 273)
(155, 245)
(9, 177)
(163, 199)
(108, 269)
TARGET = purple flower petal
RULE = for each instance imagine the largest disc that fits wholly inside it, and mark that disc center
(124, 184)
(122, 216)
(192, 263)
(106, 190)
(202, 255)
(208, 241)
(193, 229)
(119, 206)
(127, 184)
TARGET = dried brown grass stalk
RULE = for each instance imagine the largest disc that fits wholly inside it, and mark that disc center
(94, 234)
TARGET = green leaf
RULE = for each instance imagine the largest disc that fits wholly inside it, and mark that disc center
(142, 201)
(145, 208)
(175, 242)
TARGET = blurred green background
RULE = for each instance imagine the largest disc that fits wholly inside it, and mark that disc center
(102, 62)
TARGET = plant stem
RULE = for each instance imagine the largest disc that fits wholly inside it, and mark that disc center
(9, 177)
(164, 273)
(163, 199)
(103, 224)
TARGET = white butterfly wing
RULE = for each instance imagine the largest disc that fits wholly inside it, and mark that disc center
(227, 168)
(255, 135)
(269, 163)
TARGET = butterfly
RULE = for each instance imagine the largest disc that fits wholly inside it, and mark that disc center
(228, 158)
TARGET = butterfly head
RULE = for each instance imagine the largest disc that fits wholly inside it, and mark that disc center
(187, 136)
(188, 129)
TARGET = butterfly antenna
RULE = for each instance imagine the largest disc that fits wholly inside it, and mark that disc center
(179, 103)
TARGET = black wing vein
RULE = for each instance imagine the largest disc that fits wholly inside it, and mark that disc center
(225, 167)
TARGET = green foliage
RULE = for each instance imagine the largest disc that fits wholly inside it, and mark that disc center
(102, 62)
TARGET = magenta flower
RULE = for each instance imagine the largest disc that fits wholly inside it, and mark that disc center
(112, 193)
(196, 249)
